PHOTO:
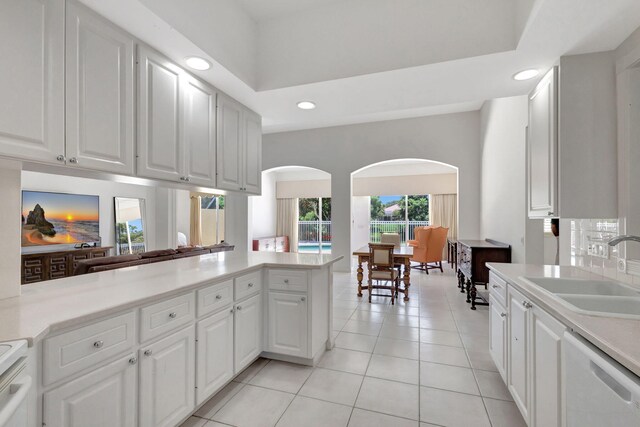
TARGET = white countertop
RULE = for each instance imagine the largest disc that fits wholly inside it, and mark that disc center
(63, 302)
(618, 337)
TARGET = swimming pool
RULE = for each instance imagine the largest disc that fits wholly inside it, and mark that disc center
(314, 247)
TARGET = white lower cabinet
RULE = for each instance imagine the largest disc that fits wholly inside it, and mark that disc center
(518, 378)
(214, 354)
(248, 331)
(546, 369)
(498, 330)
(105, 397)
(526, 346)
(167, 377)
(288, 332)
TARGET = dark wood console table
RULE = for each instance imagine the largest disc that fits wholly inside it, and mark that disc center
(472, 270)
(37, 267)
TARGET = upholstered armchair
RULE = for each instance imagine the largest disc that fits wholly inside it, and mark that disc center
(428, 247)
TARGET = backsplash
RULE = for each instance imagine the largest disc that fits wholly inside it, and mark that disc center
(590, 251)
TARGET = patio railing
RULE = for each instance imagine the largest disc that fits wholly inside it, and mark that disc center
(308, 231)
(403, 228)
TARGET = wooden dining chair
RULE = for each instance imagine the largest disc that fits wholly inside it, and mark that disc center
(382, 269)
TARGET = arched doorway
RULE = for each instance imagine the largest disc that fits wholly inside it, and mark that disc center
(396, 196)
(296, 202)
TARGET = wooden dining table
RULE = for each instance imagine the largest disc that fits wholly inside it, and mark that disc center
(401, 255)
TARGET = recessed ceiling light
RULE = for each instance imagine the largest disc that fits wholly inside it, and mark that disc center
(198, 63)
(306, 105)
(526, 74)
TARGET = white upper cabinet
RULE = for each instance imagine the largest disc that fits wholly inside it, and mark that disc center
(239, 147)
(542, 147)
(572, 151)
(160, 146)
(199, 132)
(32, 84)
(229, 144)
(252, 170)
(99, 93)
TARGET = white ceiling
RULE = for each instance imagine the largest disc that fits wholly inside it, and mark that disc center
(261, 10)
(370, 60)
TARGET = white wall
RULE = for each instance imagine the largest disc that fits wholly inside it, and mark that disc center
(407, 184)
(303, 189)
(263, 208)
(503, 209)
(360, 216)
(107, 190)
(451, 138)
(10, 208)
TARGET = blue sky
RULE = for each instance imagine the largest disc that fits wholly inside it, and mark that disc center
(385, 199)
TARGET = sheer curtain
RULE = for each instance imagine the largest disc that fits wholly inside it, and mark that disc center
(443, 211)
(287, 221)
(195, 220)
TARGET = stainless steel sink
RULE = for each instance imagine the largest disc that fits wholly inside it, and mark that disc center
(584, 287)
(593, 297)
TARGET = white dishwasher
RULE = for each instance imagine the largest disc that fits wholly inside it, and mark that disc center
(598, 390)
(14, 384)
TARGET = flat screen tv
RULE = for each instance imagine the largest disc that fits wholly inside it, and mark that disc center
(59, 219)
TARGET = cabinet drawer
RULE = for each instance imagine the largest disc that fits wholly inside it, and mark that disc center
(85, 347)
(214, 297)
(248, 284)
(164, 316)
(498, 288)
(288, 280)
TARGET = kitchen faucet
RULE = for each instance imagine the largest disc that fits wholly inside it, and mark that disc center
(624, 238)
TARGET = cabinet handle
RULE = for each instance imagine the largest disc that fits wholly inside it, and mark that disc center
(286, 281)
(148, 353)
(303, 299)
(133, 361)
(173, 315)
(61, 158)
(74, 160)
(239, 307)
(503, 314)
(218, 296)
(250, 285)
(98, 344)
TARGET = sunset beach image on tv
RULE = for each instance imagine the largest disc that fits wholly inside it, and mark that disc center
(59, 218)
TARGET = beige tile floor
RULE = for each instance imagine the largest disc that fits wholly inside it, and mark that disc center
(421, 363)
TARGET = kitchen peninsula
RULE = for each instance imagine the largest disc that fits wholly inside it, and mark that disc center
(150, 344)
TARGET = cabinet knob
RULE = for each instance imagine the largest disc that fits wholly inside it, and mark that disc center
(239, 307)
(231, 311)
(173, 315)
(73, 160)
(98, 344)
(503, 314)
(550, 213)
(250, 285)
(286, 281)
(526, 304)
(133, 361)
(148, 353)
(186, 178)
(218, 296)
(303, 299)
(495, 286)
(61, 158)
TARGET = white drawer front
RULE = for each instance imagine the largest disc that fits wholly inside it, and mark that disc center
(248, 284)
(288, 280)
(85, 347)
(498, 288)
(165, 316)
(214, 297)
